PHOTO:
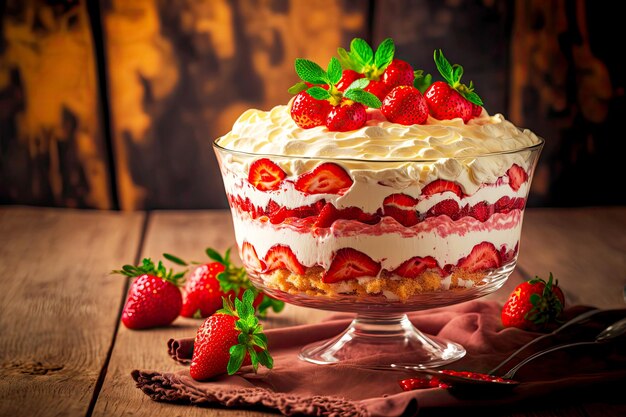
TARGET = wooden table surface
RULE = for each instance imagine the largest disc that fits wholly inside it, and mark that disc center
(63, 352)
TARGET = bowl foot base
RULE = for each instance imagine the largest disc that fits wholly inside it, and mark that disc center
(383, 340)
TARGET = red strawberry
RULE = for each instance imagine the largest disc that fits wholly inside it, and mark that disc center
(405, 105)
(504, 205)
(451, 99)
(281, 257)
(401, 207)
(348, 115)
(265, 175)
(398, 72)
(330, 213)
(446, 103)
(476, 110)
(449, 208)
(229, 339)
(154, 298)
(441, 186)
(250, 259)
(533, 304)
(348, 76)
(517, 176)
(282, 213)
(326, 178)
(349, 263)
(483, 256)
(519, 203)
(481, 211)
(415, 266)
(378, 88)
(308, 112)
(327, 216)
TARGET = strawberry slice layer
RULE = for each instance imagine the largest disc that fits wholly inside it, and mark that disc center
(326, 178)
(265, 175)
(415, 266)
(250, 259)
(517, 176)
(281, 257)
(348, 264)
(401, 207)
(483, 256)
(441, 186)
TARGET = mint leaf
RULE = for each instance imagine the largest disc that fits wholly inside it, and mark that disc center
(472, 97)
(444, 67)
(310, 71)
(361, 50)
(384, 54)
(457, 73)
(346, 61)
(360, 83)
(297, 88)
(363, 97)
(318, 93)
(421, 81)
(334, 70)
(237, 355)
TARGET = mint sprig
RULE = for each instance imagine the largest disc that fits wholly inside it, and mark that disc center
(251, 340)
(312, 73)
(362, 59)
(452, 74)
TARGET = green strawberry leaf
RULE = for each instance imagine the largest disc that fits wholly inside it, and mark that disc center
(360, 83)
(311, 72)
(334, 71)
(457, 73)
(265, 359)
(421, 81)
(214, 255)
(254, 358)
(237, 355)
(297, 88)
(384, 54)
(318, 93)
(174, 259)
(471, 96)
(259, 340)
(361, 50)
(535, 299)
(444, 67)
(363, 97)
(268, 302)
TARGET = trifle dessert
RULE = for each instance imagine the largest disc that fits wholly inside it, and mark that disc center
(376, 186)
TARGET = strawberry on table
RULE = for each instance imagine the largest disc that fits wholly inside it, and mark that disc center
(265, 175)
(154, 298)
(451, 99)
(405, 105)
(230, 338)
(534, 304)
(210, 282)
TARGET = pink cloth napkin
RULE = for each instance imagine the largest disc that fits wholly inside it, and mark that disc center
(295, 387)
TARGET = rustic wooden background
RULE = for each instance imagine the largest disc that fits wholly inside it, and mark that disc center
(114, 104)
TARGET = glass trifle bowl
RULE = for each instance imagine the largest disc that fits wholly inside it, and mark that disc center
(395, 226)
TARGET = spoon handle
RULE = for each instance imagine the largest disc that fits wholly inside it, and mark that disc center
(577, 319)
(513, 370)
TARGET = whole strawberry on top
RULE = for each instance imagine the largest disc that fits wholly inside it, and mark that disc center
(154, 298)
(320, 102)
(230, 338)
(451, 99)
(533, 305)
(208, 283)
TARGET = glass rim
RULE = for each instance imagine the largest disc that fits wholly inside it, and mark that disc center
(531, 148)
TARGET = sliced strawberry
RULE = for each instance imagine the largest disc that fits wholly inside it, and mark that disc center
(449, 208)
(481, 211)
(483, 256)
(348, 264)
(519, 203)
(265, 175)
(441, 186)
(401, 207)
(517, 176)
(250, 258)
(326, 178)
(327, 216)
(330, 213)
(415, 266)
(281, 257)
(504, 205)
(272, 207)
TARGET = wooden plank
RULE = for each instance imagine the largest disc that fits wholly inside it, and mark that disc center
(58, 305)
(584, 248)
(53, 151)
(181, 72)
(186, 234)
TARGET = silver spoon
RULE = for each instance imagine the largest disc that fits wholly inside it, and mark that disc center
(611, 332)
